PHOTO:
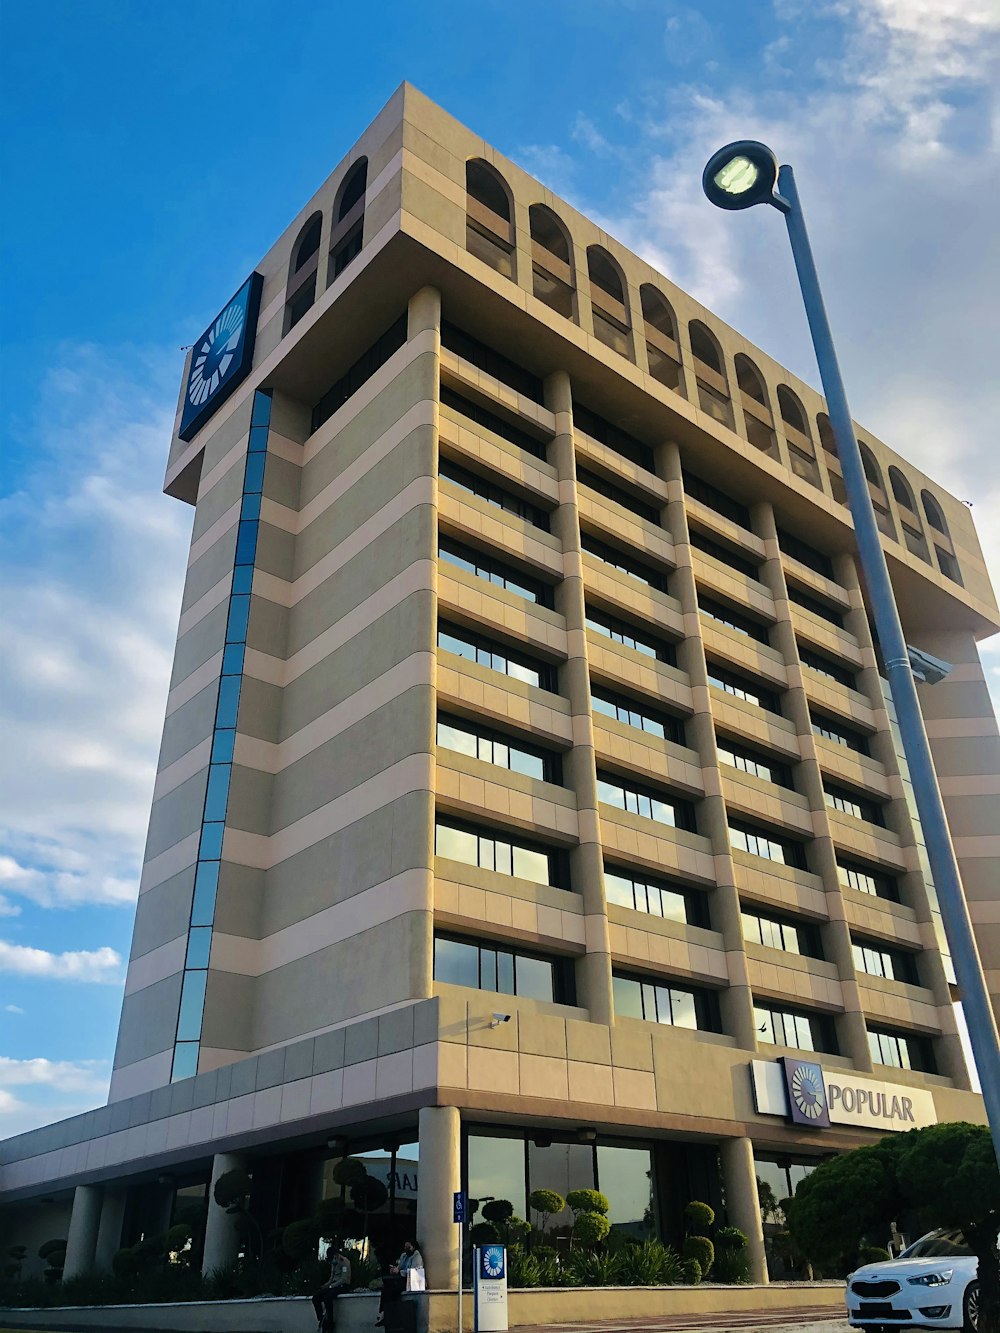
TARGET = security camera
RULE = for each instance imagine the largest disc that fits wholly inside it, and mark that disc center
(926, 669)
(498, 1019)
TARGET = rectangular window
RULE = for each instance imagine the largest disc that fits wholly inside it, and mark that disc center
(641, 508)
(475, 649)
(754, 762)
(878, 961)
(825, 666)
(776, 933)
(758, 842)
(900, 1051)
(723, 504)
(473, 484)
(948, 565)
(822, 609)
(792, 1028)
(493, 422)
(675, 1005)
(501, 576)
(628, 637)
(486, 966)
(493, 363)
(742, 687)
(612, 437)
(805, 554)
(662, 808)
(608, 555)
(624, 710)
(849, 803)
(655, 897)
(725, 615)
(494, 748)
(493, 851)
(360, 373)
(725, 555)
(853, 875)
(839, 733)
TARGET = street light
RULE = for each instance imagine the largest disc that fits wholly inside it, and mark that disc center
(738, 176)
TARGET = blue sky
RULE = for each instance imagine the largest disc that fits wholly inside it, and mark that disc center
(152, 153)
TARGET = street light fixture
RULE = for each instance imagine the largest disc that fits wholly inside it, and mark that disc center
(738, 176)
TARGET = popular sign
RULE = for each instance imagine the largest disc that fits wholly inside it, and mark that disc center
(807, 1094)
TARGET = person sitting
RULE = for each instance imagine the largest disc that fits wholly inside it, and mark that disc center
(340, 1280)
(394, 1283)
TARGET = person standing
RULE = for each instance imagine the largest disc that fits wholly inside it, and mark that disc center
(340, 1280)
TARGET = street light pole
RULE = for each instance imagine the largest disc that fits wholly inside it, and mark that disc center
(748, 166)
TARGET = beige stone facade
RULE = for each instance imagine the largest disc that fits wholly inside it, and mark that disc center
(568, 513)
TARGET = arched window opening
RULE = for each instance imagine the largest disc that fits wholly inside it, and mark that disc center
(662, 350)
(551, 261)
(876, 488)
(913, 535)
(348, 219)
(801, 451)
(301, 290)
(933, 514)
(607, 299)
(826, 439)
(944, 548)
(756, 411)
(489, 230)
(713, 391)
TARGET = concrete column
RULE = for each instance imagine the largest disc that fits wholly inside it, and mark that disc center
(221, 1236)
(580, 764)
(742, 1202)
(109, 1231)
(81, 1243)
(736, 1001)
(440, 1134)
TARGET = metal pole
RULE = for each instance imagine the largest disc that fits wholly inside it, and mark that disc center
(937, 836)
(461, 1228)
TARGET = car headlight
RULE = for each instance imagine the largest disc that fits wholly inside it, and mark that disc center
(932, 1279)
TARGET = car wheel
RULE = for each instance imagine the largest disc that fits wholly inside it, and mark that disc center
(970, 1308)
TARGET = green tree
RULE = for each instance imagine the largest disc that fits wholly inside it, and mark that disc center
(232, 1192)
(546, 1203)
(946, 1173)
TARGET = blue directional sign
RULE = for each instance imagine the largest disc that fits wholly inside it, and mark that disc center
(461, 1205)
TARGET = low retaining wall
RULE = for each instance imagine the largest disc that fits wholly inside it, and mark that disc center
(438, 1309)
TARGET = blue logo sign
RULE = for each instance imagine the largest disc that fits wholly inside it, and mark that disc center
(807, 1103)
(493, 1262)
(461, 1203)
(222, 357)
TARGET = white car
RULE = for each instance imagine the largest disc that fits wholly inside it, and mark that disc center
(933, 1284)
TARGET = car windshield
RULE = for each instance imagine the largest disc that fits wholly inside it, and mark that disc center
(938, 1245)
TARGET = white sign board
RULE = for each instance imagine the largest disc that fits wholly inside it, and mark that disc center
(490, 1272)
(807, 1094)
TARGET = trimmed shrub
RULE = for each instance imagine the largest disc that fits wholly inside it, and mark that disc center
(873, 1254)
(692, 1272)
(590, 1228)
(588, 1201)
(701, 1249)
(300, 1240)
(546, 1202)
(483, 1233)
(497, 1211)
(699, 1217)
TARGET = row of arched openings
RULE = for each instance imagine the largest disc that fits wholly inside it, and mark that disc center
(346, 240)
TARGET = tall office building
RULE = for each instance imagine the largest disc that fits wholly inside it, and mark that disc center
(529, 812)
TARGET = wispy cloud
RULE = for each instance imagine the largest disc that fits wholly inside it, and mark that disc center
(103, 965)
(48, 1090)
(91, 559)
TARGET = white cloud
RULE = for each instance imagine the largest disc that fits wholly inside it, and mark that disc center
(87, 1076)
(13, 1009)
(50, 1090)
(103, 965)
(92, 560)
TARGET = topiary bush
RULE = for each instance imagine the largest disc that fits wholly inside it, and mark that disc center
(701, 1249)
(588, 1201)
(873, 1254)
(483, 1233)
(590, 1228)
(691, 1272)
(732, 1256)
(699, 1217)
(498, 1211)
(547, 1203)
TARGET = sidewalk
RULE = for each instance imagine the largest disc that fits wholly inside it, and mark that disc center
(804, 1319)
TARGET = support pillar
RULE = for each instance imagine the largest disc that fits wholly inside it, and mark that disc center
(742, 1202)
(109, 1230)
(81, 1243)
(221, 1237)
(440, 1131)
